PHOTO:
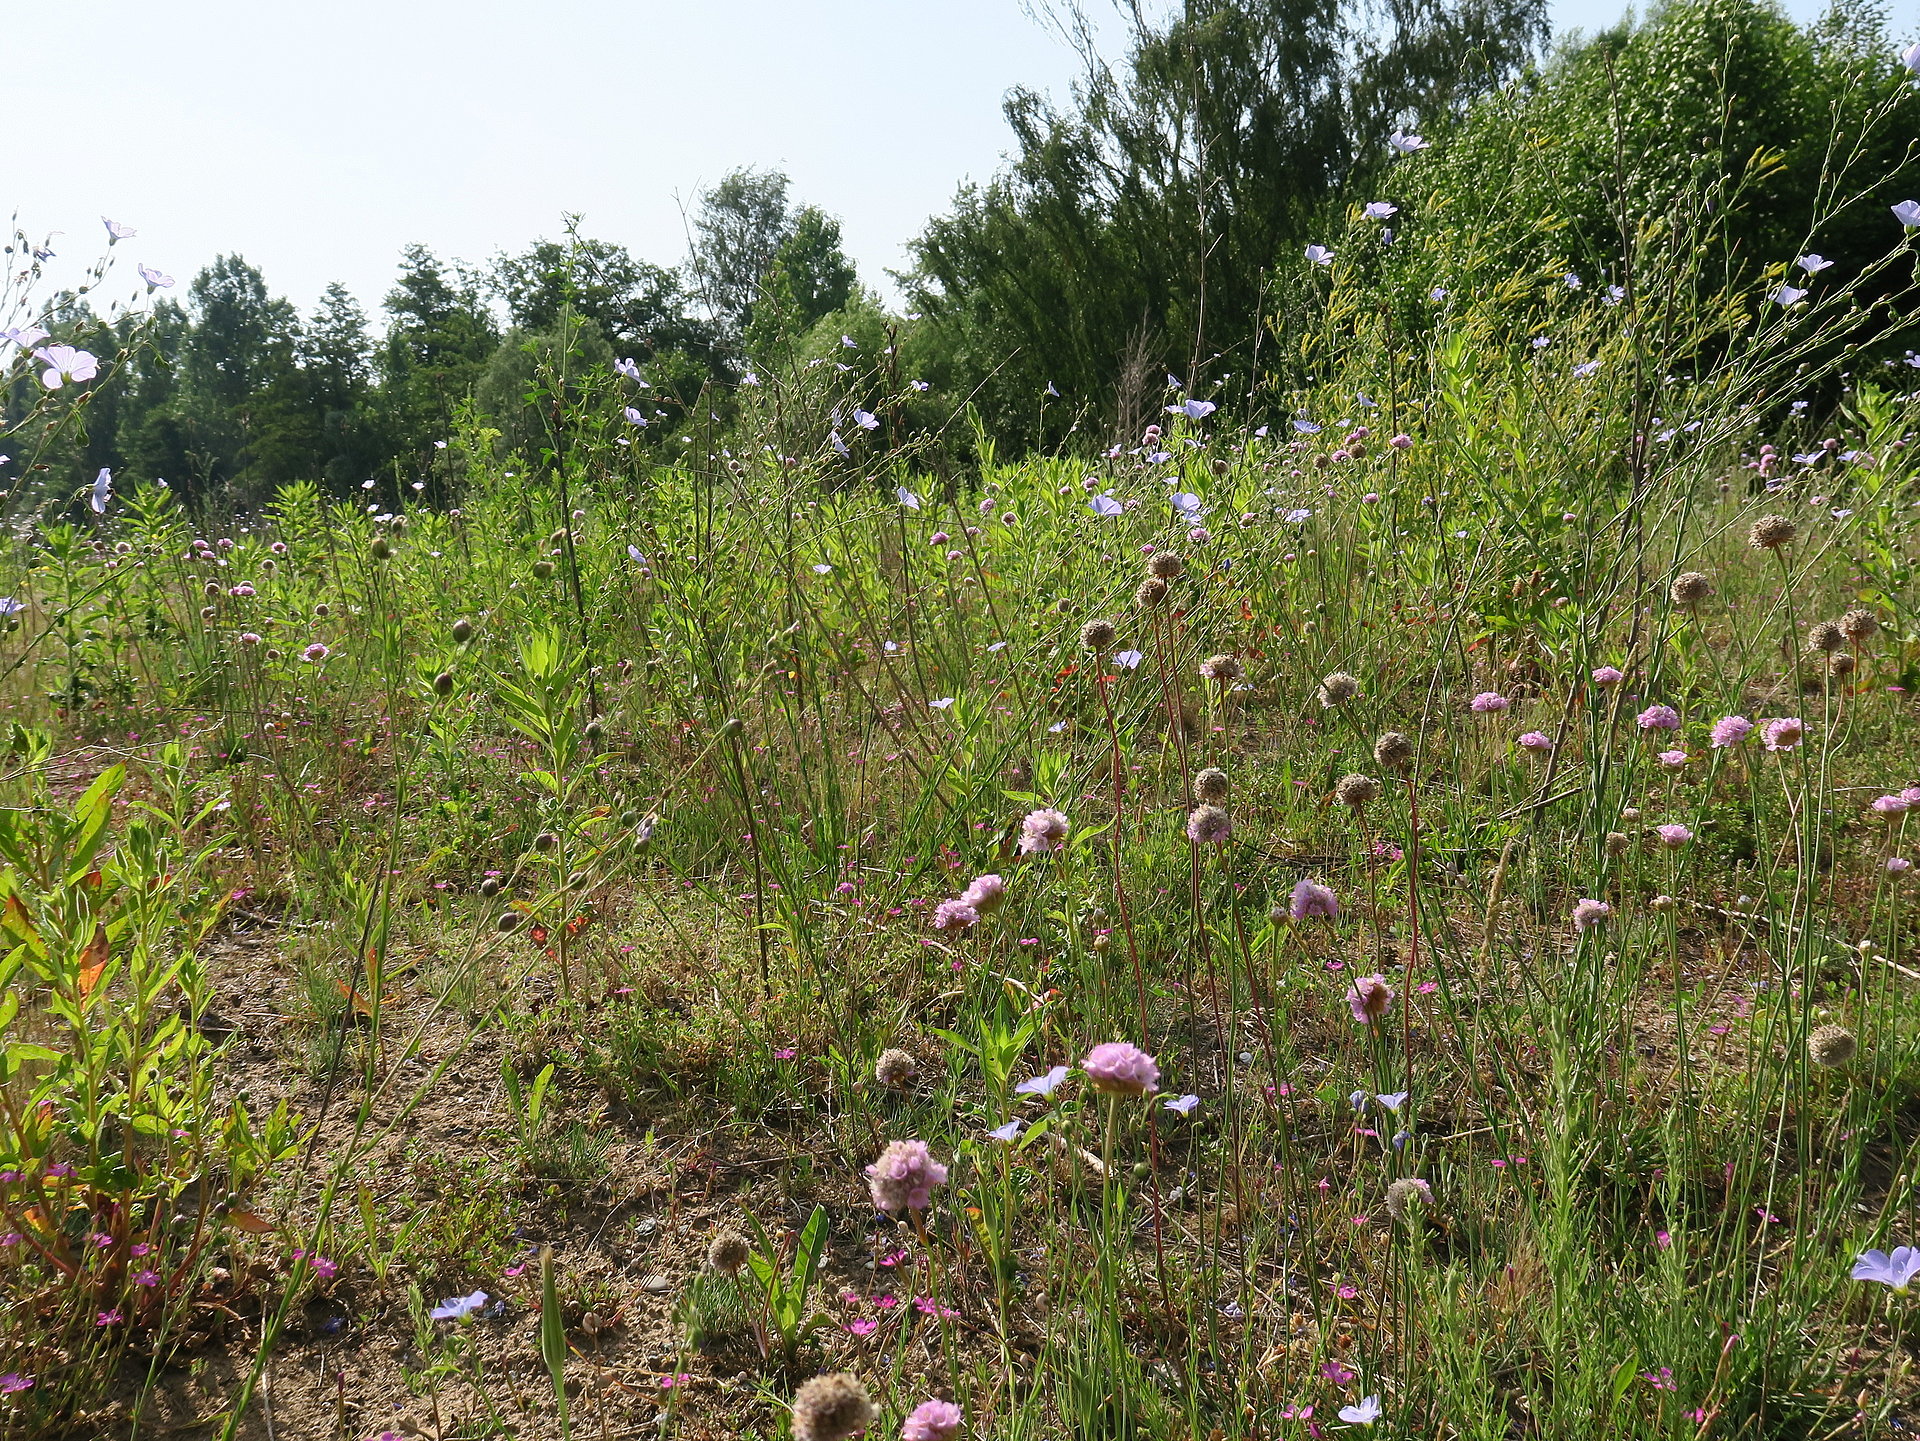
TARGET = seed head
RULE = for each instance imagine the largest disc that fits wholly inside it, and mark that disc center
(1223, 668)
(463, 630)
(728, 1252)
(1831, 1046)
(1337, 689)
(1857, 625)
(1770, 532)
(1617, 843)
(1690, 588)
(1408, 1195)
(1165, 565)
(832, 1408)
(1208, 825)
(443, 683)
(545, 842)
(895, 1068)
(1393, 751)
(1356, 790)
(1097, 635)
(1210, 785)
(1827, 636)
(1841, 664)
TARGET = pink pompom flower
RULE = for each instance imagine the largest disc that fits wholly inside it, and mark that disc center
(1042, 831)
(904, 1177)
(1730, 730)
(1369, 998)
(1659, 718)
(1782, 734)
(932, 1421)
(1121, 1069)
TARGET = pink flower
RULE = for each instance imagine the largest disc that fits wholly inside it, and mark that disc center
(1673, 836)
(1310, 898)
(986, 894)
(315, 653)
(1891, 806)
(1536, 741)
(146, 1278)
(954, 915)
(1336, 1373)
(1730, 730)
(932, 1421)
(1041, 831)
(1121, 1069)
(1401, 442)
(1208, 825)
(1899, 865)
(1488, 702)
(1672, 760)
(1659, 718)
(1782, 734)
(904, 1177)
(1369, 998)
(1589, 913)
(1608, 675)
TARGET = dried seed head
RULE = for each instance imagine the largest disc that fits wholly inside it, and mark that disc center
(1691, 588)
(1617, 843)
(1408, 1195)
(1338, 689)
(1356, 791)
(895, 1068)
(1222, 668)
(1208, 826)
(728, 1252)
(1165, 565)
(1770, 532)
(1152, 592)
(1826, 636)
(831, 1408)
(1210, 785)
(1393, 751)
(1831, 1046)
(1841, 664)
(1858, 624)
(1097, 635)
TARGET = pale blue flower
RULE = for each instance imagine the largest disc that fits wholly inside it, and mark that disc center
(1006, 1132)
(1381, 210)
(459, 1307)
(1405, 144)
(1128, 659)
(1365, 1414)
(1042, 1085)
(1896, 1271)
(1184, 1105)
(1319, 255)
(156, 280)
(1907, 212)
(102, 491)
(1788, 295)
(866, 420)
(1813, 264)
(906, 498)
(1105, 505)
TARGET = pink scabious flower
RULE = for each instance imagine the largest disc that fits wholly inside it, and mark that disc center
(1588, 913)
(986, 894)
(315, 653)
(1730, 730)
(1208, 825)
(1673, 760)
(1536, 741)
(904, 1177)
(1401, 442)
(1899, 865)
(932, 1421)
(1782, 734)
(1659, 718)
(1310, 898)
(1369, 998)
(1608, 675)
(1891, 806)
(1041, 831)
(1121, 1069)
(954, 915)
(1488, 702)
(1673, 836)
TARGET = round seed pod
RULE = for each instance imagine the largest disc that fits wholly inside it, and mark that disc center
(1770, 532)
(1831, 1046)
(1097, 635)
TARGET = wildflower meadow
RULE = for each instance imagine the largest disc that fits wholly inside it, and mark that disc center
(1372, 904)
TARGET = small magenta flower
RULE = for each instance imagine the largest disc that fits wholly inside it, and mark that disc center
(1042, 831)
(1659, 718)
(1608, 675)
(1120, 1068)
(109, 1318)
(13, 1381)
(1673, 836)
(1782, 734)
(1488, 702)
(932, 1421)
(1311, 899)
(1536, 741)
(1895, 1272)
(904, 1177)
(1588, 913)
(1369, 998)
(1730, 730)
(955, 915)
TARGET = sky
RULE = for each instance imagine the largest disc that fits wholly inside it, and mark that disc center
(318, 140)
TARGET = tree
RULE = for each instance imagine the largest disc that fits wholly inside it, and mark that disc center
(737, 234)
(642, 309)
(438, 343)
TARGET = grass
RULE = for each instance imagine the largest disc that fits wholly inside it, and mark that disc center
(555, 869)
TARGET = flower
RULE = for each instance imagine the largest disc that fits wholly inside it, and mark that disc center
(1536, 741)
(1193, 409)
(1672, 760)
(315, 653)
(1730, 730)
(109, 1318)
(1659, 718)
(1119, 1068)
(904, 1176)
(1813, 264)
(1788, 295)
(1891, 806)
(1369, 998)
(458, 1308)
(1782, 734)
(12, 1381)
(1365, 1414)
(102, 491)
(1488, 702)
(1381, 210)
(1608, 675)
(1208, 825)
(1042, 831)
(1042, 1085)
(1184, 1104)
(1673, 836)
(1907, 212)
(1899, 865)
(64, 363)
(894, 1067)
(1222, 668)
(955, 915)
(1589, 913)
(932, 1421)
(1319, 255)
(1405, 144)
(1405, 1193)
(986, 894)
(1310, 898)
(155, 279)
(1896, 1271)
(728, 1252)
(831, 1408)
(1338, 689)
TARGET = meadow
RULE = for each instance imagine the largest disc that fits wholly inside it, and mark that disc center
(1389, 916)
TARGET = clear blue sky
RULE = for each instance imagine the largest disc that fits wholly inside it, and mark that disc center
(317, 140)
